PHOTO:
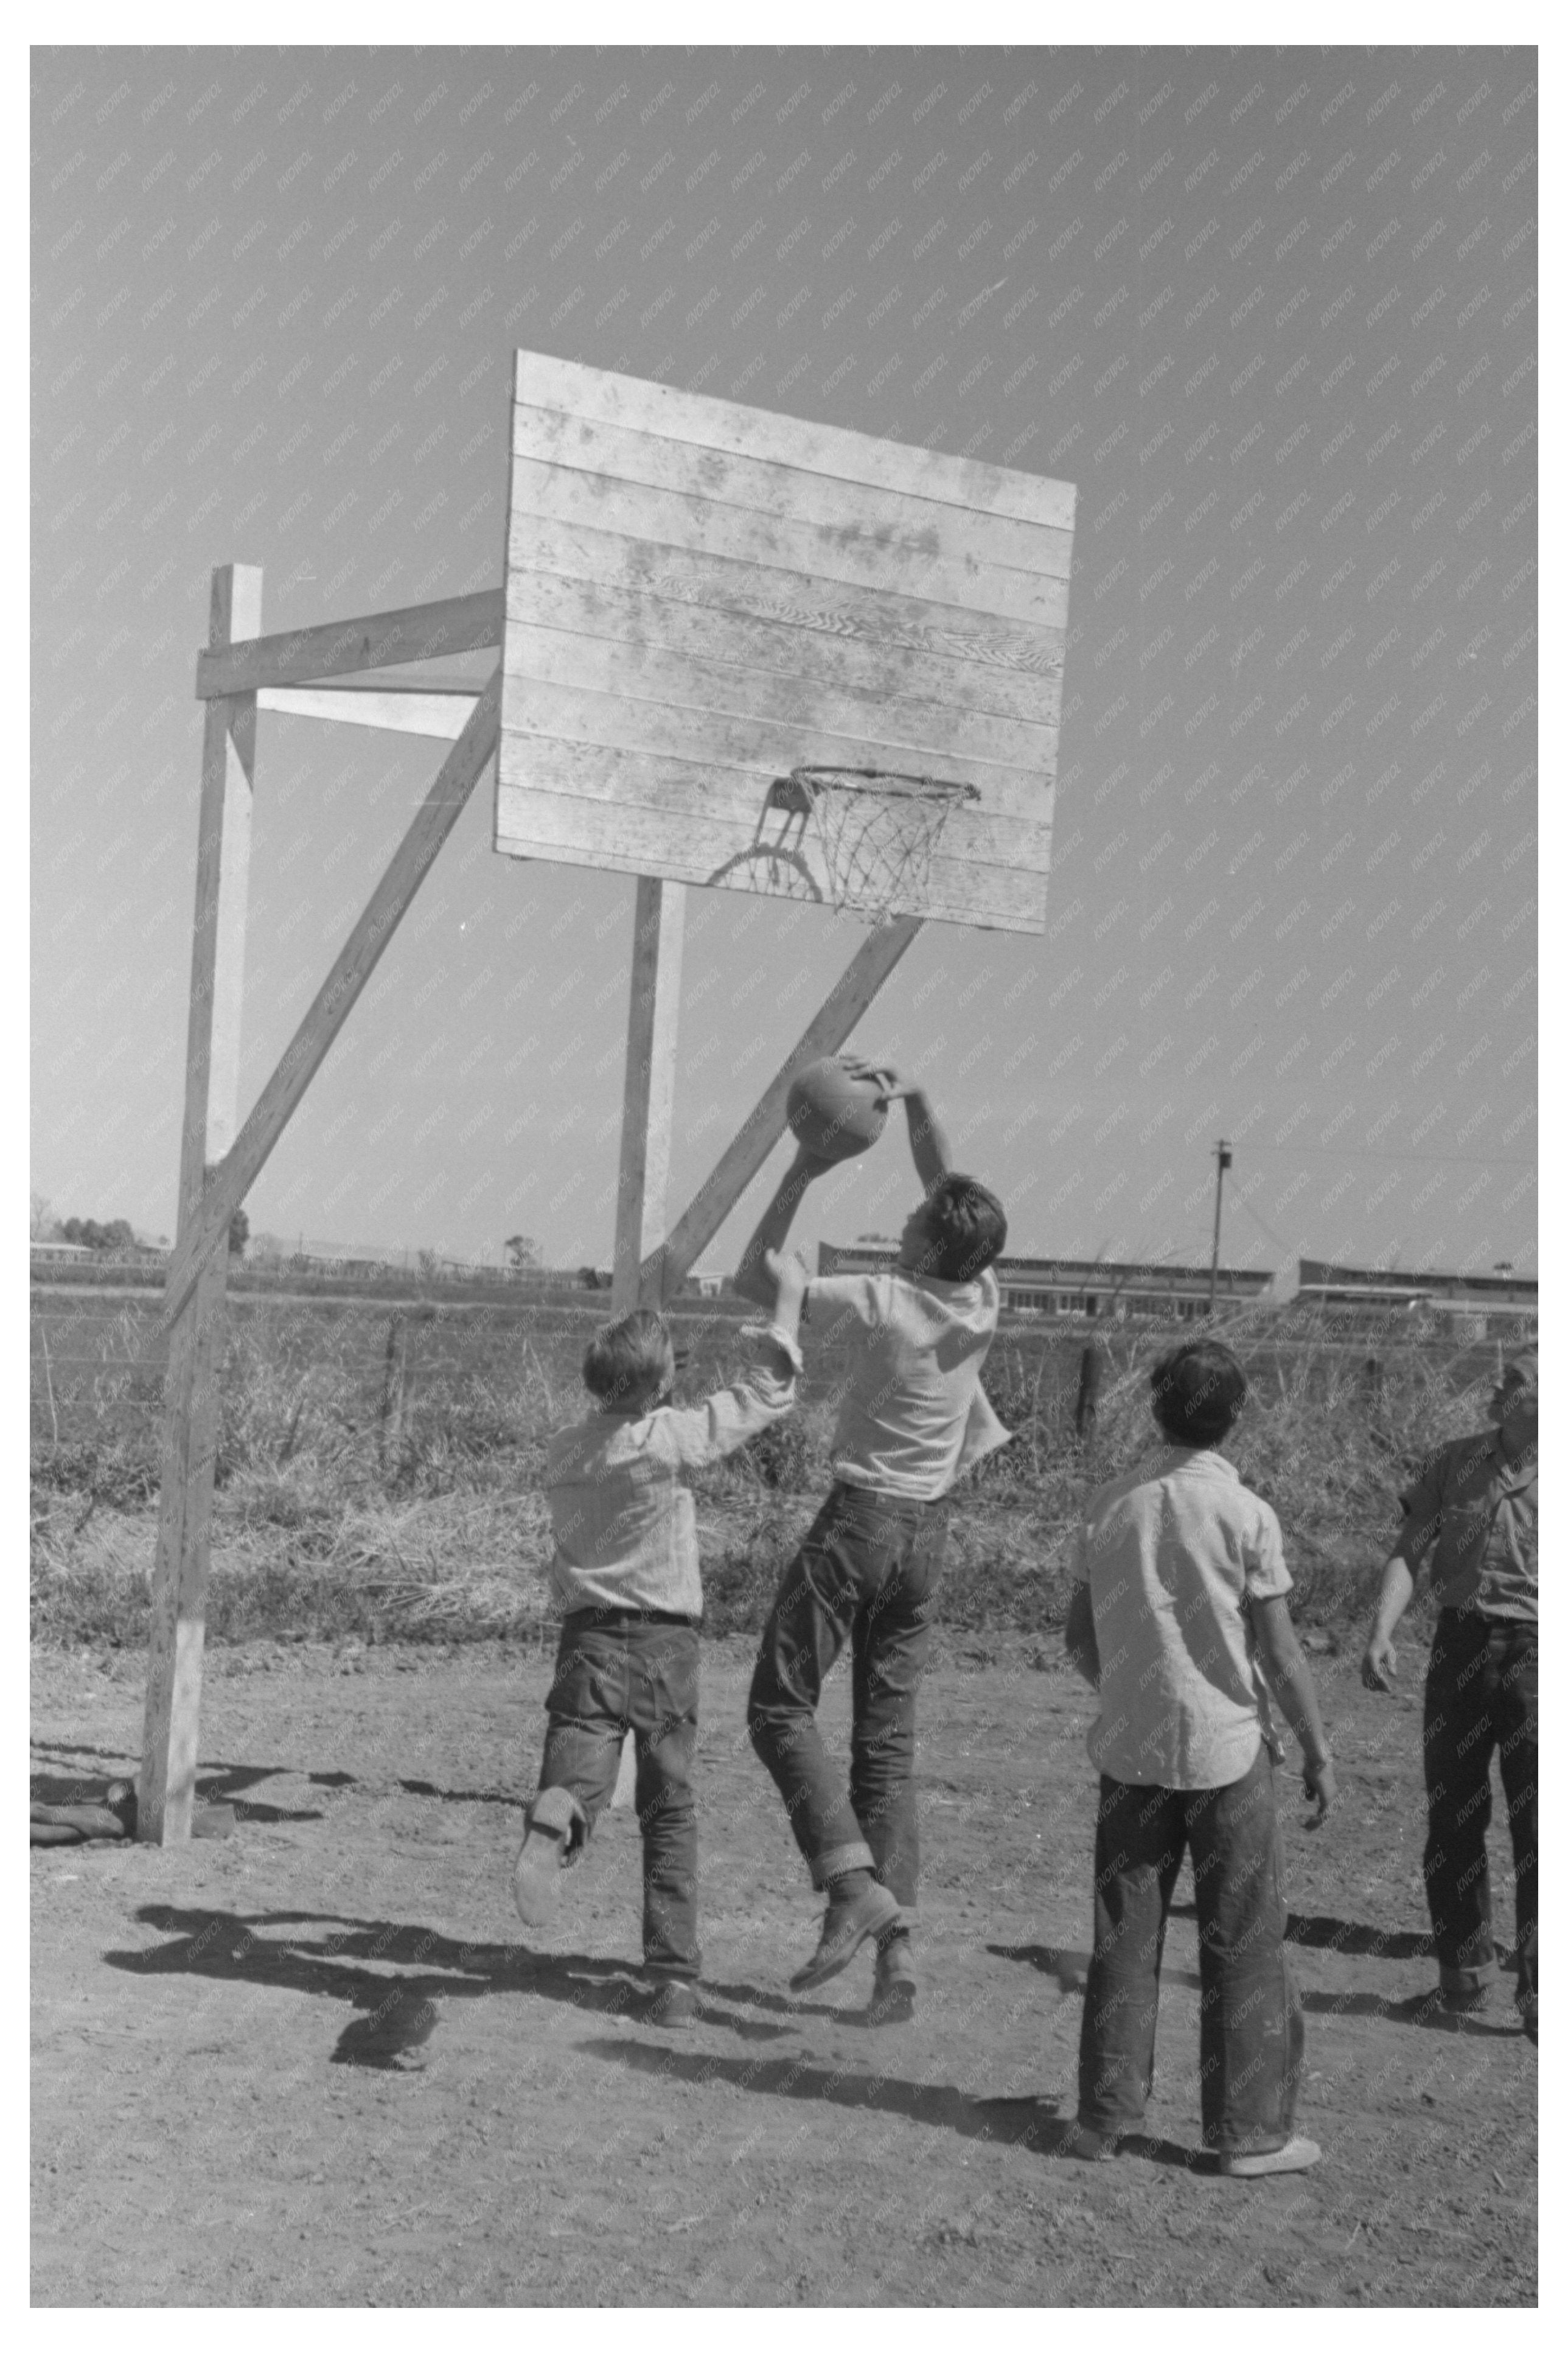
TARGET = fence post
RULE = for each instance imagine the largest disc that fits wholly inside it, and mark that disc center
(1090, 1378)
(394, 1391)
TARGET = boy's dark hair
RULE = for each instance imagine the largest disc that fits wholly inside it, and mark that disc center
(966, 1227)
(1198, 1389)
(630, 1360)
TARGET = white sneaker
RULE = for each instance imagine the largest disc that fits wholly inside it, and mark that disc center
(1296, 2155)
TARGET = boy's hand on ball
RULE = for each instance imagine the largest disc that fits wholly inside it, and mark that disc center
(888, 1081)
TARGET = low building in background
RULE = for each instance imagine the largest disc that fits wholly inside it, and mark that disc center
(1466, 1306)
(1121, 1290)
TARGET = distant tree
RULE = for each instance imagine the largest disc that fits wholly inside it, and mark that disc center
(238, 1233)
(116, 1235)
(521, 1250)
(429, 1265)
(42, 1226)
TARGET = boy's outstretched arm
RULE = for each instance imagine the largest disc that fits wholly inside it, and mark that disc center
(1290, 1678)
(928, 1139)
(752, 1278)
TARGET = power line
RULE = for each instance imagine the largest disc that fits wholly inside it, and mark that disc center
(1425, 1159)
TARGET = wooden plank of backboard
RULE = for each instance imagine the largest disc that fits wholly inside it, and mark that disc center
(772, 746)
(700, 687)
(883, 616)
(943, 571)
(1009, 825)
(455, 624)
(708, 829)
(896, 522)
(543, 381)
(826, 1032)
(703, 849)
(622, 619)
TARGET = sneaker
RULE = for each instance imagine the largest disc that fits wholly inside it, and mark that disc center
(543, 1849)
(846, 1925)
(1296, 2155)
(893, 1989)
(1091, 2148)
(674, 2003)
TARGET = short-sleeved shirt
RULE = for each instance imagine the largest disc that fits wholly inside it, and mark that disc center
(1480, 1510)
(1171, 1558)
(912, 1414)
(625, 1521)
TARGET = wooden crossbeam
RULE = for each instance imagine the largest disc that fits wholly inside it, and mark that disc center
(405, 710)
(666, 1269)
(416, 633)
(229, 1182)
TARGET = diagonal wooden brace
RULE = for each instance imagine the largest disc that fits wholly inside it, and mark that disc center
(229, 1182)
(665, 1269)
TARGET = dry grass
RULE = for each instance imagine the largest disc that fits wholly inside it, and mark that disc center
(330, 1522)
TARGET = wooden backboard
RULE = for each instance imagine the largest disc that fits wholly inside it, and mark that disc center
(701, 597)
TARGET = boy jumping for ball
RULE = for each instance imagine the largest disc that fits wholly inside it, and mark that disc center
(1179, 1620)
(625, 1572)
(913, 1416)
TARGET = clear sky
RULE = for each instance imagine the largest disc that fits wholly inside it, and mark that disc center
(1273, 313)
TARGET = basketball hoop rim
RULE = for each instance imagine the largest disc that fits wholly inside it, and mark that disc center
(891, 784)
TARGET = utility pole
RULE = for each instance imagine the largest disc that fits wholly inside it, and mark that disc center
(1222, 1157)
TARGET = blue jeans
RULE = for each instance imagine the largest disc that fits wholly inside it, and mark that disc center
(620, 1672)
(1251, 2036)
(1481, 1695)
(867, 1573)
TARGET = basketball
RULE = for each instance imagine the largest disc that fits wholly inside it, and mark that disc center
(832, 1115)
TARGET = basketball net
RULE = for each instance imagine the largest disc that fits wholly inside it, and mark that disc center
(878, 832)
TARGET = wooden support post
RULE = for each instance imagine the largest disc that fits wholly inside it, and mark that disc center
(648, 1106)
(664, 1271)
(166, 1788)
(357, 959)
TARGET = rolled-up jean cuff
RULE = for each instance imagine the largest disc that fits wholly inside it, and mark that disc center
(854, 1856)
(1470, 1980)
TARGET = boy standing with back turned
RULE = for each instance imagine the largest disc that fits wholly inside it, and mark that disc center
(913, 1416)
(1179, 1620)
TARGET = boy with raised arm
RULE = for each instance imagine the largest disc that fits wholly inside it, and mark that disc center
(913, 1416)
(1179, 1620)
(626, 1573)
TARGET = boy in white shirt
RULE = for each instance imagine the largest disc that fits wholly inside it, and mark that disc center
(626, 1574)
(913, 1416)
(1180, 1621)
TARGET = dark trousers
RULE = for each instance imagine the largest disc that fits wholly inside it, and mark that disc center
(867, 1573)
(618, 1673)
(1251, 2036)
(1481, 1695)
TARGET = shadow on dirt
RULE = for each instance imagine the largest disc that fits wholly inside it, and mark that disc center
(400, 2011)
(1068, 1965)
(220, 1785)
(1012, 2123)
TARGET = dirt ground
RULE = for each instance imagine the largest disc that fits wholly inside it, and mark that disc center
(231, 2104)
